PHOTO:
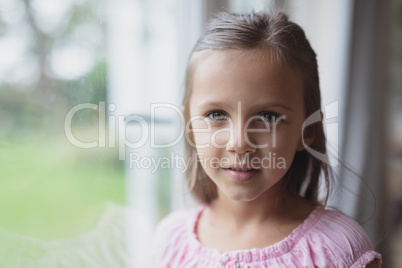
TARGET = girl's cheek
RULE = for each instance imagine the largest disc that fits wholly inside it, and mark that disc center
(220, 137)
(202, 140)
(207, 135)
(263, 140)
(282, 142)
(201, 132)
(272, 141)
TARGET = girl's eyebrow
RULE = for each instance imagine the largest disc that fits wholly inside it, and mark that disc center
(273, 104)
(256, 107)
(213, 103)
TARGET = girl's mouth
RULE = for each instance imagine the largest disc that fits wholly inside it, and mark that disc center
(241, 175)
(241, 169)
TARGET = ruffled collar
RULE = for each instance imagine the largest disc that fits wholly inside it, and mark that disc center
(254, 254)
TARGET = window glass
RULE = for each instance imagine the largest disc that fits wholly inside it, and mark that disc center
(68, 70)
(53, 58)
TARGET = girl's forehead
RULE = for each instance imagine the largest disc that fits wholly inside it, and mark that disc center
(252, 63)
(232, 76)
(225, 60)
(241, 56)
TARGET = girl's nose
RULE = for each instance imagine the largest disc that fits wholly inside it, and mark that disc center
(240, 143)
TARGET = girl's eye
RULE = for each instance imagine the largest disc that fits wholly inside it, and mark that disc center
(217, 116)
(269, 117)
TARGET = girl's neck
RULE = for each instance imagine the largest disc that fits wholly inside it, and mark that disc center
(271, 207)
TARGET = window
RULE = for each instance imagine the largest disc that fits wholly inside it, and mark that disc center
(80, 81)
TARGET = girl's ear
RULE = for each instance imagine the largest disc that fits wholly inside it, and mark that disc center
(308, 137)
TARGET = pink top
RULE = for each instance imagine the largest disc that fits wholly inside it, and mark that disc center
(325, 239)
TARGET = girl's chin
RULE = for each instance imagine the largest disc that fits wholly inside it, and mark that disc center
(241, 196)
(246, 198)
(243, 192)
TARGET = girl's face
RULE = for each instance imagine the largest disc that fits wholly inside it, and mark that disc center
(246, 117)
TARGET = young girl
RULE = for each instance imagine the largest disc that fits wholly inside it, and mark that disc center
(252, 81)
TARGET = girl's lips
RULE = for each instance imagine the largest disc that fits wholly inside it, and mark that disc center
(241, 175)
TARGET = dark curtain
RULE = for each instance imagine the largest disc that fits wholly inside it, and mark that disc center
(364, 129)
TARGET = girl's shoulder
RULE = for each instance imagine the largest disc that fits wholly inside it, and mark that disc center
(335, 236)
(172, 233)
(178, 220)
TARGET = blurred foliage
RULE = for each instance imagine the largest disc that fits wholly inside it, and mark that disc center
(91, 88)
(28, 103)
(47, 194)
(50, 189)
